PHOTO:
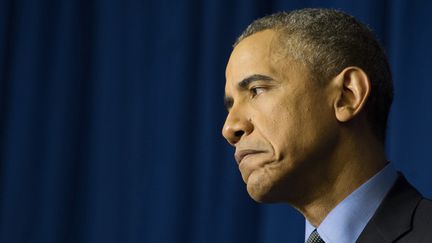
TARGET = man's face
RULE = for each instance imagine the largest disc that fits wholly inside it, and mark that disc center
(280, 121)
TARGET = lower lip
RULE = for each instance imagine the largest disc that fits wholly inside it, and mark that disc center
(247, 167)
(245, 157)
(248, 156)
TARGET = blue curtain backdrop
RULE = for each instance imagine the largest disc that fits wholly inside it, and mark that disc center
(111, 112)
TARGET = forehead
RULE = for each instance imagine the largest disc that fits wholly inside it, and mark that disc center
(253, 55)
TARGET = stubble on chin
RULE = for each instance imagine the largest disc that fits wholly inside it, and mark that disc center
(260, 186)
(275, 183)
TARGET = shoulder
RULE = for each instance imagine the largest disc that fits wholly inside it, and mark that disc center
(425, 206)
(423, 215)
(403, 216)
(421, 230)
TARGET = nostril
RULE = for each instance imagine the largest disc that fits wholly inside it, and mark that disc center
(238, 133)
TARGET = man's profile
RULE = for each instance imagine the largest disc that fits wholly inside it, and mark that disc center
(308, 94)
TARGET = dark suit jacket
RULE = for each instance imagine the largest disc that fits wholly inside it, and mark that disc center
(403, 216)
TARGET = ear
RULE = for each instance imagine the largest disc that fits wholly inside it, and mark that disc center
(353, 89)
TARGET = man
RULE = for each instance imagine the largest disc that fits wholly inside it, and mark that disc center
(308, 94)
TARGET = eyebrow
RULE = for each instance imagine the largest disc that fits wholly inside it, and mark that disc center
(255, 77)
(229, 101)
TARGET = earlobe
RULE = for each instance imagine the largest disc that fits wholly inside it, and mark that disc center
(353, 91)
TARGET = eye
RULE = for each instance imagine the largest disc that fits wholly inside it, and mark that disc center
(256, 91)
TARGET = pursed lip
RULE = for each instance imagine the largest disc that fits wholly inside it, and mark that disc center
(239, 155)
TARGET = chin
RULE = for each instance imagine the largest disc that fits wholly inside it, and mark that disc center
(262, 189)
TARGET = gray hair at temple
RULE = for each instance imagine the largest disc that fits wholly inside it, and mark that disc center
(326, 41)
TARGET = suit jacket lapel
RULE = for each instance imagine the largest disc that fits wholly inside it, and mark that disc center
(393, 217)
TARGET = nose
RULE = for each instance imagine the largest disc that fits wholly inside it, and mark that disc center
(236, 126)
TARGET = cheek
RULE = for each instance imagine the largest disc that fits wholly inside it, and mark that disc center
(280, 124)
(294, 126)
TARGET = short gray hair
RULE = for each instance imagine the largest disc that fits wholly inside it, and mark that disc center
(326, 41)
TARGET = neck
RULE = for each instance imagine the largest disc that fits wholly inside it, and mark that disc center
(352, 165)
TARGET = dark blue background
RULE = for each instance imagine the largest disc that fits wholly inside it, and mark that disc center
(111, 112)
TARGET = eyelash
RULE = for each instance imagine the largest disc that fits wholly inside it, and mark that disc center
(254, 91)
